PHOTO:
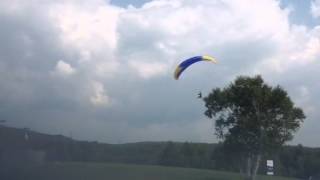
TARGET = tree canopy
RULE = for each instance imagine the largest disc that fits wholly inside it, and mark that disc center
(253, 117)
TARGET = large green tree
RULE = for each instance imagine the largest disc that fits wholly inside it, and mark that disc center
(252, 118)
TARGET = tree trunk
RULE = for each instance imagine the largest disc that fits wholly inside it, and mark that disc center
(256, 166)
(253, 162)
(249, 167)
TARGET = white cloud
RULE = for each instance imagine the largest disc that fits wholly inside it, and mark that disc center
(315, 8)
(99, 97)
(299, 47)
(88, 31)
(101, 45)
(88, 26)
(191, 29)
(149, 70)
(64, 68)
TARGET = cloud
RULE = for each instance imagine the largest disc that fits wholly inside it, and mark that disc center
(148, 70)
(64, 68)
(195, 131)
(300, 47)
(99, 96)
(86, 26)
(315, 8)
(119, 63)
(304, 99)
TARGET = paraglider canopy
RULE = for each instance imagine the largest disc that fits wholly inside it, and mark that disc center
(186, 63)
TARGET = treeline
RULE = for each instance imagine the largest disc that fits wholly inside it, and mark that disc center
(294, 161)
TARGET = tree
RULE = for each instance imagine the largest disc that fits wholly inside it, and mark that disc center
(252, 118)
(187, 153)
(170, 155)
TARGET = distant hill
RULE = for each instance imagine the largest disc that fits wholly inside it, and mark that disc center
(18, 146)
(23, 138)
(61, 148)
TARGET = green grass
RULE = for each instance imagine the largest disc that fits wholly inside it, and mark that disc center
(105, 171)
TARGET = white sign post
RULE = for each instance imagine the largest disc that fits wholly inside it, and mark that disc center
(270, 167)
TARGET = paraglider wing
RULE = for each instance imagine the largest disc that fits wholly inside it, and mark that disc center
(185, 64)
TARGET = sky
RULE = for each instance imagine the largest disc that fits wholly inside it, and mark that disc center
(102, 70)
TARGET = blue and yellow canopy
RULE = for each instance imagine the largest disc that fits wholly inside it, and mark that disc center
(186, 63)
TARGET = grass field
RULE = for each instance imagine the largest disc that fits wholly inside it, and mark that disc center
(104, 171)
